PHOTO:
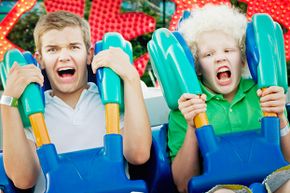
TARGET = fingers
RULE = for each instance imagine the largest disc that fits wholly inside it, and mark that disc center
(272, 89)
(190, 115)
(29, 66)
(277, 110)
(99, 61)
(273, 106)
(190, 99)
(190, 105)
(34, 78)
(19, 77)
(273, 99)
(15, 65)
(273, 93)
(114, 58)
(196, 102)
(186, 96)
(259, 92)
(102, 59)
(193, 110)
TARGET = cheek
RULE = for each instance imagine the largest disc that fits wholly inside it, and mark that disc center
(236, 59)
(207, 69)
(208, 75)
(49, 59)
(48, 66)
(238, 66)
(80, 57)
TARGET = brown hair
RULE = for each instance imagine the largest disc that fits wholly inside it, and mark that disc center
(59, 20)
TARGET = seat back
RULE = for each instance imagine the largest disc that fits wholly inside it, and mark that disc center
(157, 171)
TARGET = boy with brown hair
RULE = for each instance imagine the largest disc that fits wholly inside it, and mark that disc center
(73, 109)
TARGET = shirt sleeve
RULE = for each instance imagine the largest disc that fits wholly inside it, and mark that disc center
(177, 127)
(29, 134)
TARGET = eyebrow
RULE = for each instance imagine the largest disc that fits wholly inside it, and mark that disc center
(54, 45)
(75, 43)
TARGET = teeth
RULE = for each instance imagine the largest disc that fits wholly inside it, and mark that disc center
(223, 69)
(65, 68)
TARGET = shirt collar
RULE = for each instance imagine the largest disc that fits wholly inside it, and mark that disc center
(244, 86)
(91, 89)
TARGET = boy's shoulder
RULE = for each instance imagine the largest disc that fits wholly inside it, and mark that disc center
(248, 81)
(92, 87)
(248, 84)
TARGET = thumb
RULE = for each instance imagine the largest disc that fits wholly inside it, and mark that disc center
(259, 92)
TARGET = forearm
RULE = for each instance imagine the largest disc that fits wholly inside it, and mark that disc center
(137, 137)
(186, 163)
(19, 156)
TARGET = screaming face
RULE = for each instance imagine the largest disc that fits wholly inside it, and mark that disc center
(65, 57)
(220, 62)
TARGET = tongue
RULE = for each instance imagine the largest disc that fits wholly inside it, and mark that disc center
(223, 75)
(66, 75)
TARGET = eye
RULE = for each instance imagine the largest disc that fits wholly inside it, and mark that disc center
(51, 50)
(74, 47)
(230, 50)
(208, 54)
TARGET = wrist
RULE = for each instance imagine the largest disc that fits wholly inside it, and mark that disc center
(131, 76)
(283, 120)
(191, 126)
(9, 101)
(11, 93)
(285, 130)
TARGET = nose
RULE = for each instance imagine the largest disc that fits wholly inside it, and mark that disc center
(64, 55)
(220, 57)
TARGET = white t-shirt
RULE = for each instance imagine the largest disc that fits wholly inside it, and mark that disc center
(74, 129)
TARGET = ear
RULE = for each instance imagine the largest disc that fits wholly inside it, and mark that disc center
(244, 64)
(197, 67)
(38, 57)
(90, 55)
(198, 71)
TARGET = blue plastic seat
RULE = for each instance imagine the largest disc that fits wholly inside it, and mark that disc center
(157, 171)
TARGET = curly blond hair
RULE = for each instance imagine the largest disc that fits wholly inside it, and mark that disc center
(214, 18)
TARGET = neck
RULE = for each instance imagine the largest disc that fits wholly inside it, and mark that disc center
(230, 96)
(70, 98)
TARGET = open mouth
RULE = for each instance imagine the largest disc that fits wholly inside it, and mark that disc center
(66, 72)
(223, 73)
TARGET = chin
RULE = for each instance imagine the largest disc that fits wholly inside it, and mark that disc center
(65, 89)
(229, 90)
(223, 89)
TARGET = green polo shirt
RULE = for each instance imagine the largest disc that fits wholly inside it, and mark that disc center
(242, 114)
